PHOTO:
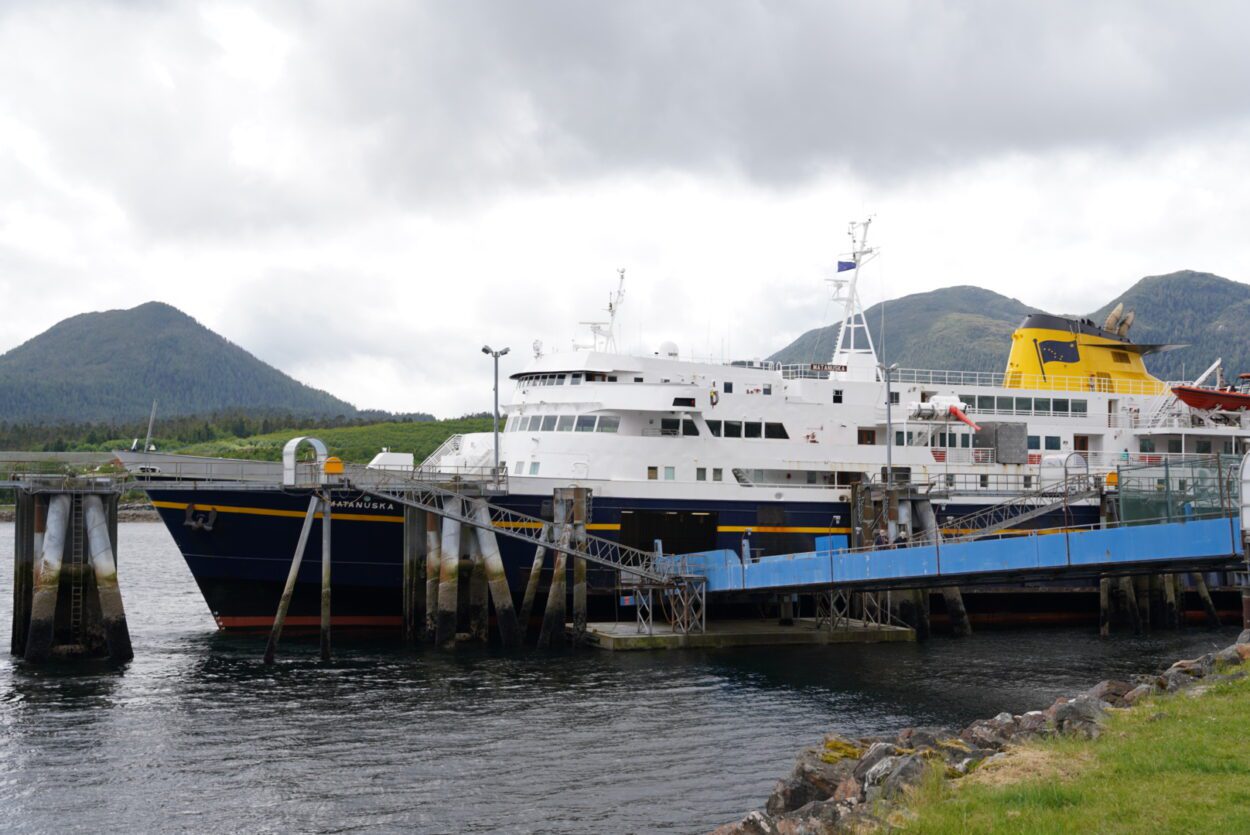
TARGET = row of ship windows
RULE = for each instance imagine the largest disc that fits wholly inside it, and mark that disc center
(670, 473)
(576, 379)
(563, 423)
(1040, 406)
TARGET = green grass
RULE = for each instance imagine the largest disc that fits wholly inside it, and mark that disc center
(1172, 764)
(351, 443)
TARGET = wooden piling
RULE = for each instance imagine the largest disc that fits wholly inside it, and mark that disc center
(1128, 598)
(1104, 607)
(415, 546)
(1171, 615)
(920, 601)
(1178, 585)
(579, 564)
(496, 578)
(479, 606)
(1204, 596)
(433, 566)
(449, 576)
(47, 580)
(785, 613)
(1158, 601)
(104, 565)
(553, 618)
(1141, 592)
(285, 602)
(960, 625)
(325, 579)
(531, 585)
(25, 551)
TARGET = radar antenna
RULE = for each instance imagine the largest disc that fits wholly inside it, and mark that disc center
(603, 334)
(854, 356)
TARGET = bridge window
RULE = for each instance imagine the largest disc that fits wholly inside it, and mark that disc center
(867, 437)
(1060, 406)
(729, 387)
(713, 426)
(700, 474)
(653, 473)
(768, 389)
(533, 468)
(1041, 406)
(684, 401)
(549, 423)
(565, 423)
(688, 428)
(585, 423)
(894, 398)
(1174, 445)
(608, 423)
(985, 404)
(1006, 404)
(1052, 442)
(1146, 445)
(717, 474)
(776, 431)
(575, 380)
(1080, 407)
(733, 429)
(670, 473)
(1035, 442)
(1203, 447)
(752, 430)
(837, 395)
(1024, 405)
(670, 426)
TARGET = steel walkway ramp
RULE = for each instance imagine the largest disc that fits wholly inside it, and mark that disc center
(1022, 508)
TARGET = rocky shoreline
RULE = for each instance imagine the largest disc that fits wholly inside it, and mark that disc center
(856, 784)
(140, 512)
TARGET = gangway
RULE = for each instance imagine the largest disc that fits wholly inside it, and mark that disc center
(1022, 508)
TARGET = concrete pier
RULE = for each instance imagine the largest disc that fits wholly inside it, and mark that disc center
(449, 578)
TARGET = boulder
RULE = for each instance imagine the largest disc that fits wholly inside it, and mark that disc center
(907, 772)
(817, 775)
(1228, 655)
(875, 754)
(1138, 693)
(848, 791)
(1244, 637)
(990, 733)
(817, 818)
(1033, 723)
(876, 775)
(918, 738)
(1082, 716)
(755, 823)
(1110, 691)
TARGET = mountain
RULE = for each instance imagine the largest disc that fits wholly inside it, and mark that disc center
(968, 328)
(1207, 312)
(964, 327)
(107, 367)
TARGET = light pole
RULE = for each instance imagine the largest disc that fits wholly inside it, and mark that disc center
(495, 414)
(886, 371)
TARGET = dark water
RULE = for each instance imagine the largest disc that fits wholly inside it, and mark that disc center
(197, 735)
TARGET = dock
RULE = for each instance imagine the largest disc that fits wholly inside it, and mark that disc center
(724, 634)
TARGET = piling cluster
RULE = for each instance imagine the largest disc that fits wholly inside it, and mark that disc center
(66, 598)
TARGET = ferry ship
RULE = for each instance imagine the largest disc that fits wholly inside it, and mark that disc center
(754, 456)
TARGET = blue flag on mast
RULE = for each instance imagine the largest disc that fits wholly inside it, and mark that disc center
(843, 266)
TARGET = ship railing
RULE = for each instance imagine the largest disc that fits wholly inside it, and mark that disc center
(998, 379)
(438, 498)
(451, 446)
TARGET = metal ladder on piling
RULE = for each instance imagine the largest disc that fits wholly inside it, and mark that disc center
(78, 567)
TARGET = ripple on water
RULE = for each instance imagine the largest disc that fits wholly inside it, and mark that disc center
(197, 735)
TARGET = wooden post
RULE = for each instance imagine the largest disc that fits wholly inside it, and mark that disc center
(496, 578)
(1178, 585)
(553, 618)
(415, 545)
(104, 565)
(920, 601)
(25, 550)
(960, 625)
(1204, 595)
(579, 565)
(1128, 596)
(285, 602)
(47, 580)
(325, 579)
(433, 565)
(1104, 606)
(1141, 589)
(449, 577)
(785, 616)
(479, 614)
(1170, 612)
(531, 585)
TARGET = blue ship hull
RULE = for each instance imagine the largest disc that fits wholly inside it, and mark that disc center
(239, 544)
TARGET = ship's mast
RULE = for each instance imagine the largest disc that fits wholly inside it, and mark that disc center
(604, 333)
(854, 357)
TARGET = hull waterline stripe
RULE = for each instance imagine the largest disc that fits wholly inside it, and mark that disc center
(265, 511)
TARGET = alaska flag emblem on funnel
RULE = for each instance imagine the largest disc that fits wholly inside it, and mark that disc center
(1054, 350)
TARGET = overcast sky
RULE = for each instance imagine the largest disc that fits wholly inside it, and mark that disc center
(362, 193)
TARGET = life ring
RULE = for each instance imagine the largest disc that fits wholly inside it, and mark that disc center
(715, 398)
